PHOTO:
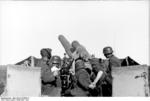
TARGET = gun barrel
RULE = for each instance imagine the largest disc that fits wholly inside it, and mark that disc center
(65, 43)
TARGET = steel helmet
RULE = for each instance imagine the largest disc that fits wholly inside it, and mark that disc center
(56, 60)
(107, 50)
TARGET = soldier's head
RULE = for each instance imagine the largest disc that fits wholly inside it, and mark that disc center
(67, 62)
(108, 51)
(55, 63)
(75, 44)
(46, 53)
(56, 60)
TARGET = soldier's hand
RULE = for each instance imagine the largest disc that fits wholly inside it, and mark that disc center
(75, 55)
(26, 63)
(92, 85)
(72, 71)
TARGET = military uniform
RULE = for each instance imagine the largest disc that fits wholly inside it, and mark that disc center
(52, 88)
(2, 87)
(50, 83)
(114, 61)
(82, 80)
(97, 66)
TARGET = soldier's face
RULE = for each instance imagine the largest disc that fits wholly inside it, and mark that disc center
(55, 70)
(55, 65)
(107, 55)
(75, 55)
(93, 66)
(45, 58)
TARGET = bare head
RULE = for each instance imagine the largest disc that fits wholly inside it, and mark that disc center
(75, 44)
(46, 53)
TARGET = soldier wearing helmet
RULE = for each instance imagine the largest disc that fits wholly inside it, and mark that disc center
(51, 81)
(113, 60)
(56, 59)
(55, 64)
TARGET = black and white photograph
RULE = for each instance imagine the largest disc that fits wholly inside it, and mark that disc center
(73, 48)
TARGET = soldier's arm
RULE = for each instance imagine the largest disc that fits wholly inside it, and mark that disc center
(99, 75)
(115, 62)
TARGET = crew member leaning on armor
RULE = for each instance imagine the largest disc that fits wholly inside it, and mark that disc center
(48, 78)
(43, 62)
(46, 75)
(83, 81)
(113, 60)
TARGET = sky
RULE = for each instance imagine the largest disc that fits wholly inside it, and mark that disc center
(28, 26)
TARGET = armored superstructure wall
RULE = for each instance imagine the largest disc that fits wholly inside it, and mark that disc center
(131, 81)
(20, 81)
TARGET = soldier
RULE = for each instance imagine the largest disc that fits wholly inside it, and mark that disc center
(66, 76)
(43, 63)
(51, 82)
(113, 61)
(83, 81)
(97, 77)
(47, 76)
